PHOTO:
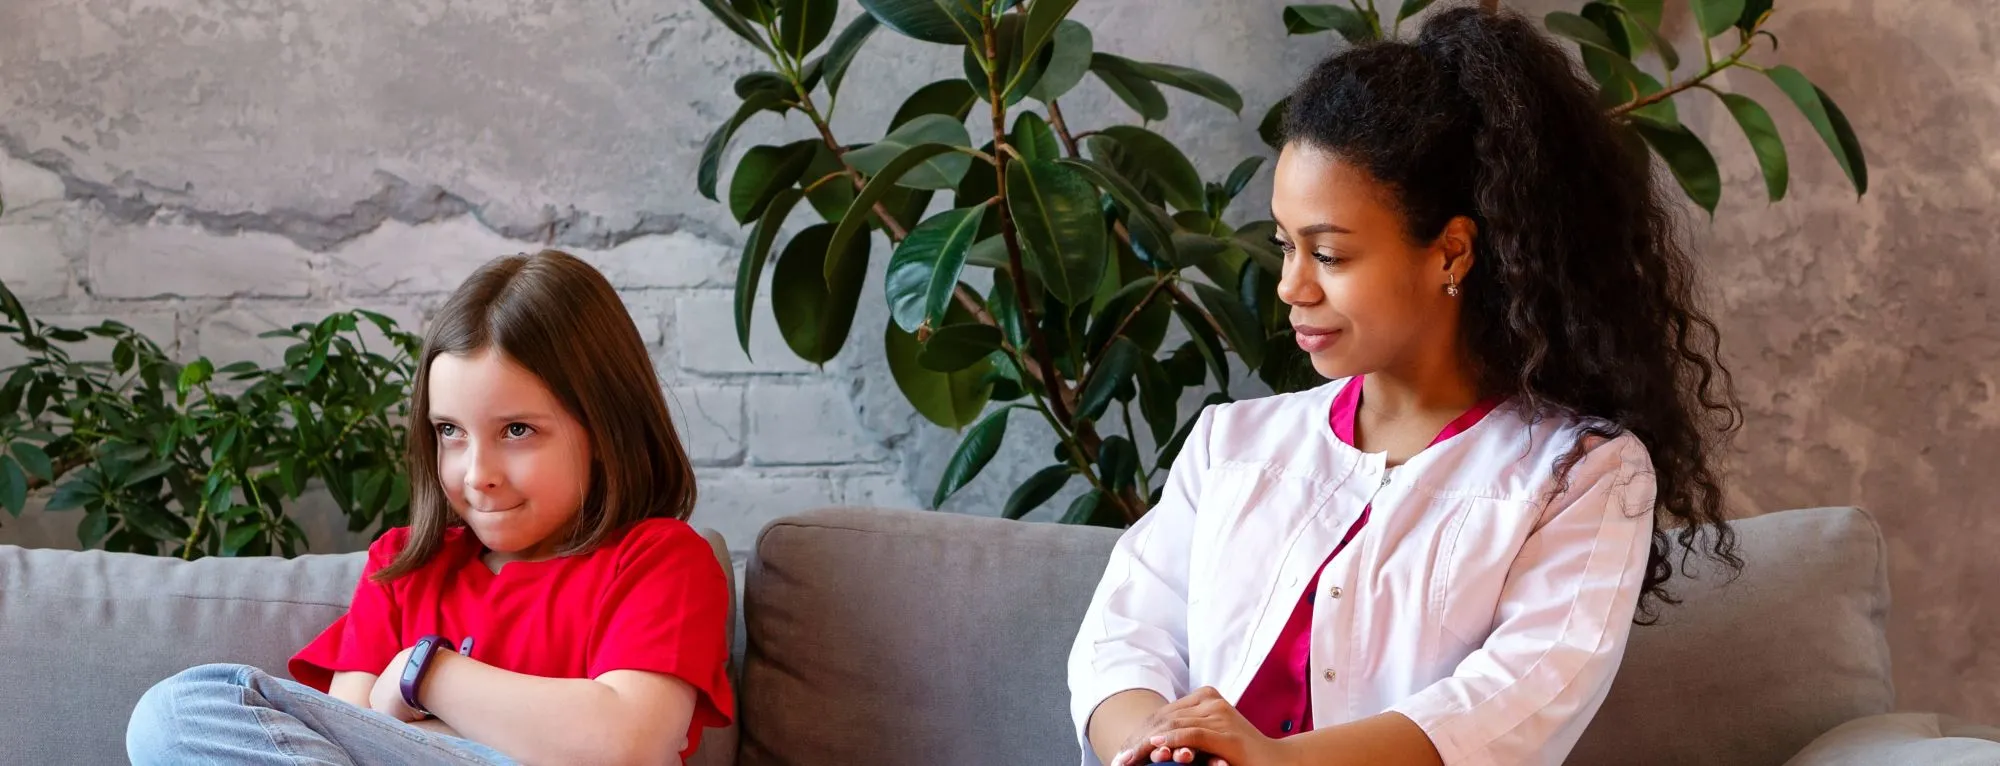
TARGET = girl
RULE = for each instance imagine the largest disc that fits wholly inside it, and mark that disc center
(1436, 557)
(547, 604)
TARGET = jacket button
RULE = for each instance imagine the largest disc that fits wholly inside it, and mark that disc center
(1330, 674)
(1334, 592)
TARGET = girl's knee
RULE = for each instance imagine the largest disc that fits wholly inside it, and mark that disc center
(156, 720)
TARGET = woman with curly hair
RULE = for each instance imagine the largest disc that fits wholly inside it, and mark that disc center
(1438, 555)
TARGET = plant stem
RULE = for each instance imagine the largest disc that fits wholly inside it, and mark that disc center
(1210, 318)
(1159, 283)
(1062, 130)
(1038, 345)
(1714, 68)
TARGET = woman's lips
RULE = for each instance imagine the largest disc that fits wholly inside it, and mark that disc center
(1314, 339)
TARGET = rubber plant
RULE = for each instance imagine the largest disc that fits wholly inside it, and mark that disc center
(1051, 280)
(1614, 37)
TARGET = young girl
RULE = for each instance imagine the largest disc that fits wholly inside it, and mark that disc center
(548, 602)
(1436, 557)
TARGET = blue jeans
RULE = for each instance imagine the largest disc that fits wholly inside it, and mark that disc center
(237, 714)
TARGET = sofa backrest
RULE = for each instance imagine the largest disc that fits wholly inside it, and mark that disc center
(84, 634)
(899, 637)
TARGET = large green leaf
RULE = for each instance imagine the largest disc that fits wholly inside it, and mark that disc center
(1118, 462)
(1715, 16)
(955, 347)
(841, 54)
(804, 24)
(35, 461)
(13, 487)
(1149, 228)
(1354, 26)
(1119, 364)
(763, 82)
(1068, 63)
(1240, 177)
(1203, 336)
(1648, 33)
(1151, 163)
(1412, 7)
(1581, 30)
(1006, 310)
(974, 452)
(756, 251)
(952, 97)
(1245, 332)
(949, 399)
(1689, 159)
(1084, 508)
(1194, 81)
(736, 23)
(1044, 17)
(878, 187)
(1159, 399)
(1061, 226)
(1764, 140)
(718, 142)
(1272, 127)
(1033, 138)
(924, 270)
(947, 22)
(764, 172)
(1147, 327)
(760, 11)
(1129, 86)
(1827, 120)
(814, 306)
(941, 171)
(1036, 491)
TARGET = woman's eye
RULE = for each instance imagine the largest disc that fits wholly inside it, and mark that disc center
(1283, 246)
(519, 430)
(1326, 259)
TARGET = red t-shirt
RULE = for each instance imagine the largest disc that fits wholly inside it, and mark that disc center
(652, 598)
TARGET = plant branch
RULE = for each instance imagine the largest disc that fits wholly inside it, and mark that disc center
(1198, 309)
(1159, 283)
(1714, 68)
(1038, 345)
(1062, 129)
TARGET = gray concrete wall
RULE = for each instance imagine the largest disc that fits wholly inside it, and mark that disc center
(206, 170)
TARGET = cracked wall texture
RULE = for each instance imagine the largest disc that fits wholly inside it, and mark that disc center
(207, 169)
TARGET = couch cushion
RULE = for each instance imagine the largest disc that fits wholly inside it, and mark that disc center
(902, 637)
(83, 634)
(899, 637)
(1752, 671)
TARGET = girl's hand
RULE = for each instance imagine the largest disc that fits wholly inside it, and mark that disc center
(387, 695)
(1205, 722)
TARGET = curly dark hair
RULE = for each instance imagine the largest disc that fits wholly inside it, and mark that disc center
(1581, 299)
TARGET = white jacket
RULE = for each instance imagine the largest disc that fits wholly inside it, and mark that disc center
(1489, 615)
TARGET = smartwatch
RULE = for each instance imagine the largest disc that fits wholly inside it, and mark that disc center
(419, 664)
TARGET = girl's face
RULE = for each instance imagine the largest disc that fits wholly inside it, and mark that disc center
(513, 462)
(1363, 296)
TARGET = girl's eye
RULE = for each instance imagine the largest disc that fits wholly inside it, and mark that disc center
(519, 430)
(447, 430)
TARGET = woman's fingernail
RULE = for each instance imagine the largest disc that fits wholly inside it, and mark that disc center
(1160, 740)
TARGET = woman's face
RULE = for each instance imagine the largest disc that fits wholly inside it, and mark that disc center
(1363, 297)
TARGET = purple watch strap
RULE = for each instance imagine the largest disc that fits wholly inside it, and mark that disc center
(417, 666)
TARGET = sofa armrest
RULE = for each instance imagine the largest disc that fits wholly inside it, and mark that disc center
(1928, 739)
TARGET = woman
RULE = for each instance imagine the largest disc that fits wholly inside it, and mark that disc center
(1438, 556)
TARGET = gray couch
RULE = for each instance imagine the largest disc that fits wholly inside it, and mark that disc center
(898, 637)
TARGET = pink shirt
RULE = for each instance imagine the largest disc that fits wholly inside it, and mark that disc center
(1278, 701)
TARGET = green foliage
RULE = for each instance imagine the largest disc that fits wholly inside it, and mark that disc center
(194, 460)
(1615, 37)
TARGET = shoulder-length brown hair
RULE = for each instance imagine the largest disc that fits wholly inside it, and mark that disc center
(558, 317)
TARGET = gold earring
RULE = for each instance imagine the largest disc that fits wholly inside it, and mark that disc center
(1451, 285)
